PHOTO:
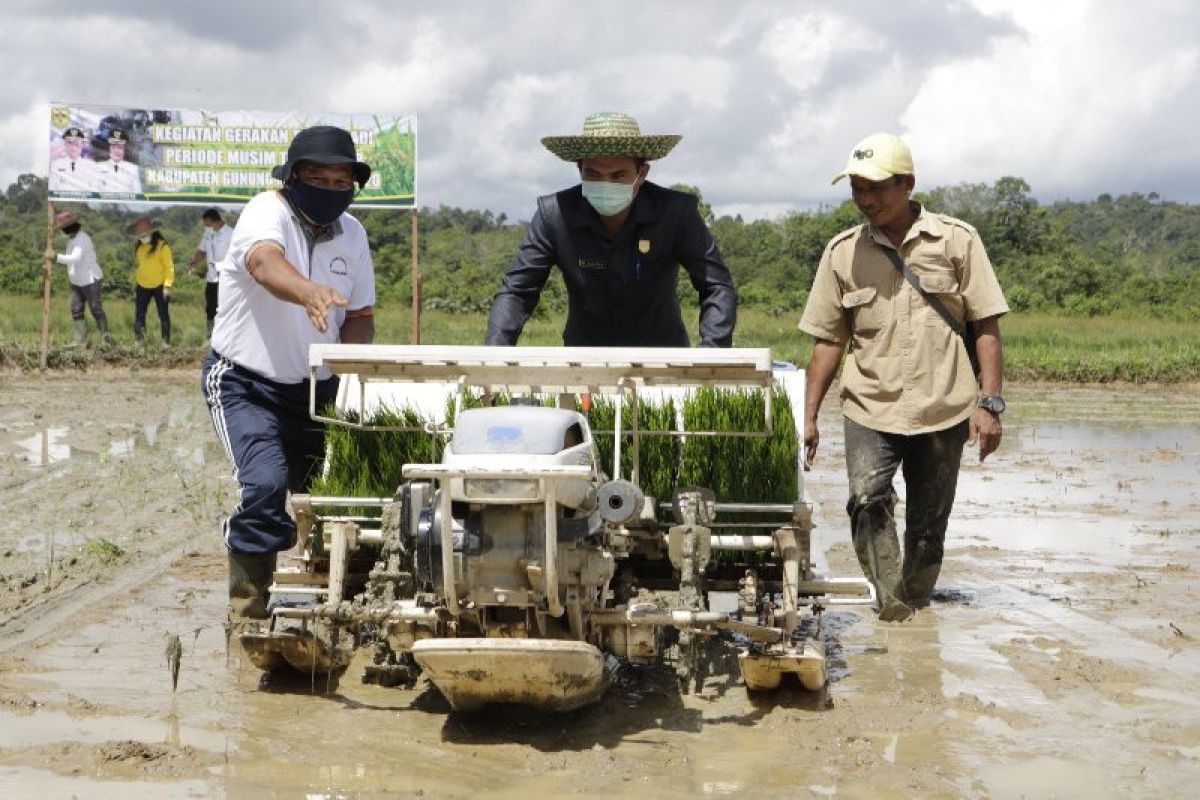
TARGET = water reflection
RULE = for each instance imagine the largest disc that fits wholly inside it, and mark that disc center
(50, 446)
(47, 447)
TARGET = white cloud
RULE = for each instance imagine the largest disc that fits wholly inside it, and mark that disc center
(802, 47)
(1077, 104)
(1076, 96)
(27, 143)
(427, 79)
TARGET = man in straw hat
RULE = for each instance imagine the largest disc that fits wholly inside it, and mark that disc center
(72, 172)
(619, 241)
(84, 275)
(899, 289)
(297, 272)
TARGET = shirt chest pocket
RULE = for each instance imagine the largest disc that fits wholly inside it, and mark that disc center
(942, 287)
(864, 310)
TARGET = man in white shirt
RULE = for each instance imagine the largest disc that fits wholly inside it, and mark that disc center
(298, 272)
(83, 272)
(72, 172)
(116, 175)
(211, 250)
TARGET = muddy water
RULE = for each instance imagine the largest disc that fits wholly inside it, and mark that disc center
(1060, 658)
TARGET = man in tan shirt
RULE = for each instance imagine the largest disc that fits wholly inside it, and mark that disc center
(909, 395)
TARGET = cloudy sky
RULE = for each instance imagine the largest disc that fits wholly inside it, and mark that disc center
(1078, 97)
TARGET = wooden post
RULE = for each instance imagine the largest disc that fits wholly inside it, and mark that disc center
(47, 264)
(416, 283)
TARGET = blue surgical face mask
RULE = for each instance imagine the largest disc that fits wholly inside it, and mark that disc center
(609, 199)
(321, 206)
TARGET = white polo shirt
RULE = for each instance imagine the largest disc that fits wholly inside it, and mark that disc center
(256, 330)
(80, 258)
(214, 245)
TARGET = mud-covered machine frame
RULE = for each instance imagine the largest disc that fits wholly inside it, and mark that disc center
(554, 563)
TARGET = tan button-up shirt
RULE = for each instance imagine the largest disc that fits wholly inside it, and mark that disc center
(908, 371)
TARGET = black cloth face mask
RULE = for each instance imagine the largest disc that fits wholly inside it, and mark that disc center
(320, 206)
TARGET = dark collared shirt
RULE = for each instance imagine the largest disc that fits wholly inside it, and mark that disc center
(621, 291)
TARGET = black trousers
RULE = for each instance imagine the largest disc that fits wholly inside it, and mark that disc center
(210, 300)
(141, 302)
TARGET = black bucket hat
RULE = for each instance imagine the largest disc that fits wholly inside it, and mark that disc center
(322, 144)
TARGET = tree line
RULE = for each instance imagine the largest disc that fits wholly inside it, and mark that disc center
(1129, 253)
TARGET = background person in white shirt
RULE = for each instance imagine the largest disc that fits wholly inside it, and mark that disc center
(83, 272)
(211, 251)
(298, 272)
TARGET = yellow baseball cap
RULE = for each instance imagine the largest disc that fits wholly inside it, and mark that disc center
(879, 156)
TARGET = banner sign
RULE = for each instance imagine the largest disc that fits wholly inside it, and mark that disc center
(178, 155)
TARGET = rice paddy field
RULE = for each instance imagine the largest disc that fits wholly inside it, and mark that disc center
(1135, 349)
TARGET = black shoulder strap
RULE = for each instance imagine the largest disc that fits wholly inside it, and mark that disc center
(932, 300)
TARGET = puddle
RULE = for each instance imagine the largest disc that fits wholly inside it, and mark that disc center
(45, 448)
(122, 447)
(54, 444)
(29, 782)
(49, 544)
(19, 731)
(1048, 777)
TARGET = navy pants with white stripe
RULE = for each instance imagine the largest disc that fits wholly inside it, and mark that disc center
(274, 445)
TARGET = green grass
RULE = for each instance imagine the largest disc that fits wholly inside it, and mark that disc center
(102, 550)
(1100, 349)
(1036, 346)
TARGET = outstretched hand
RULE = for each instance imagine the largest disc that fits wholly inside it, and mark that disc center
(320, 300)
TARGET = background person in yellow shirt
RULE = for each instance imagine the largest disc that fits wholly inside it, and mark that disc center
(155, 277)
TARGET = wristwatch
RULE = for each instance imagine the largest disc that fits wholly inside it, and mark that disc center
(992, 402)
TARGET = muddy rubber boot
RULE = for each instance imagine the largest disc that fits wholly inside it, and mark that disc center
(102, 324)
(80, 333)
(873, 532)
(249, 584)
(893, 610)
(922, 565)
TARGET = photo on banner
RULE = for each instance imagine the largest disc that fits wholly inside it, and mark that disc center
(184, 156)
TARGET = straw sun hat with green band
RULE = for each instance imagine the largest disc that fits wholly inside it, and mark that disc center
(610, 133)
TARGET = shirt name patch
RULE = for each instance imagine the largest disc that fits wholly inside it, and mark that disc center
(592, 263)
